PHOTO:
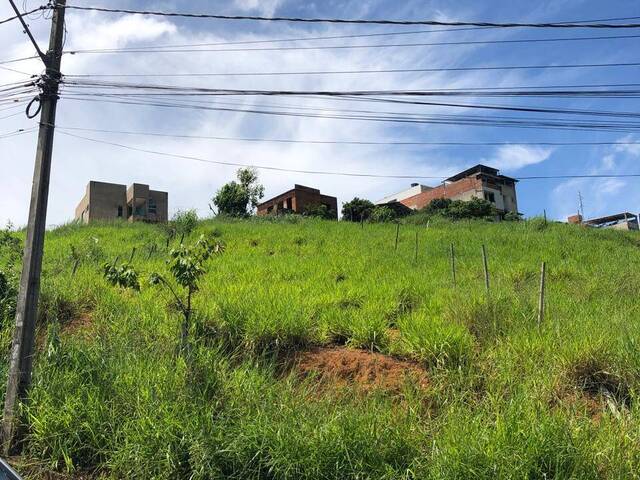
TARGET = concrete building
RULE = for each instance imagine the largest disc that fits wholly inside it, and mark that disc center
(297, 200)
(415, 189)
(475, 182)
(111, 201)
(619, 221)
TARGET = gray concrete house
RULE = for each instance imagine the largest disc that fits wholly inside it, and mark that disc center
(112, 201)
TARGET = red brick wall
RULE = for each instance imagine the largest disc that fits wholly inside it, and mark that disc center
(301, 198)
(450, 190)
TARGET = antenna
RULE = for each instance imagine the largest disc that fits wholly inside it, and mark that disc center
(580, 205)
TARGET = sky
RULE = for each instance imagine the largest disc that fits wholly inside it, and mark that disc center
(192, 184)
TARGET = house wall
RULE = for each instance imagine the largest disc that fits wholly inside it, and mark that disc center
(105, 201)
(101, 202)
(466, 189)
(297, 200)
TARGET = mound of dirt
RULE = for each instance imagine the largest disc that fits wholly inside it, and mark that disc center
(364, 370)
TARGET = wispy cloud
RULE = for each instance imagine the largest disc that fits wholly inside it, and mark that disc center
(515, 157)
(263, 7)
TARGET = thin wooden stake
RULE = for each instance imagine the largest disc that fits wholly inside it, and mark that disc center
(133, 254)
(486, 268)
(545, 216)
(397, 235)
(75, 266)
(543, 273)
(415, 258)
(453, 265)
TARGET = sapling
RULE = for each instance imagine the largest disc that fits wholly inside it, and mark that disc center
(123, 276)
(186, 265)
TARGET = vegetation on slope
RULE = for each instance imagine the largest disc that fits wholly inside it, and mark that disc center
(504, 398)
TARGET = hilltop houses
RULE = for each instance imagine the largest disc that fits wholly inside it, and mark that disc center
(479, 181)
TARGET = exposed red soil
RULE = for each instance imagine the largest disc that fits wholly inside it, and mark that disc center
(364, 370)
(79, 325)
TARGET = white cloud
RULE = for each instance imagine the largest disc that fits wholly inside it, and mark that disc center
(608, 162)
(263, 7)
(514, 157)
(633, 150)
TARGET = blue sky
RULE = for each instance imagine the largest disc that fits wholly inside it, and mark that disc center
(191, 184)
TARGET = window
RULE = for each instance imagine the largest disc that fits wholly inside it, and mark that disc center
(119, 211)
(152, 206)
(490, 197)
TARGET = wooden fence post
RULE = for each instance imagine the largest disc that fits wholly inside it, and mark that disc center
(415, 258)
(541, 298)
(486, 268)
(453, 265)
(397, 234)
(75, 266)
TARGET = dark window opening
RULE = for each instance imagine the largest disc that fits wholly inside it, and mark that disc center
(129, 211)
(152, 206)
(119, 211)
(490, 197)
(280, 205)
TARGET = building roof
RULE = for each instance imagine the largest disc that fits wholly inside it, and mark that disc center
(478, 169)
(611, 218)
(295, 188)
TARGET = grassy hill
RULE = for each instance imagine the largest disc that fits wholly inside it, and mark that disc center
(319, 351)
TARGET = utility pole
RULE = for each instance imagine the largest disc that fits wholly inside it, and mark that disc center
(21, 360)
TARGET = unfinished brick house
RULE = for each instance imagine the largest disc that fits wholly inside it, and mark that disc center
(475, 182)
(297, 200)
(112, 201)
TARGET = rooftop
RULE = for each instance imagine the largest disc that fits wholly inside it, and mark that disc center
(478, 169)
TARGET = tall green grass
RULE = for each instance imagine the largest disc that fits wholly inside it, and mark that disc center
(506, 399)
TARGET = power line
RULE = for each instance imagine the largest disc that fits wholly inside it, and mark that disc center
(434, 119)
(349, 47)
(16, 17)
(510, 108)
(358, 72)
(194, 91)
(337, 37)
(353, 21)
(321, 172)
(343, 142)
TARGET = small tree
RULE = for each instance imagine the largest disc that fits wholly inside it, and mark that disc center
(239, 198)
(382, 214)
(357, 209)
(123, 276)
(186, 265)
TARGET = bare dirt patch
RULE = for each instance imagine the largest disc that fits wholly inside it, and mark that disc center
(360, 369)
(80, 325)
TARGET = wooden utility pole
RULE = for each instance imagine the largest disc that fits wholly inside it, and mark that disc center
(21, 360)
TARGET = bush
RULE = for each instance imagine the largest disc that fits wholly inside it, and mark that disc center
(319, 211)
(382, 215)
(460, 209)
(185, 221)
(357, 209)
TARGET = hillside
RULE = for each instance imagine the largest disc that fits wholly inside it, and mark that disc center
(319, 351)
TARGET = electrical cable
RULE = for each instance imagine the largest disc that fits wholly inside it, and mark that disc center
(349, 21)
(318, 172)
(357, 72)
(348, 47)
(16, 17)
(343, 142)
(337, 37)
